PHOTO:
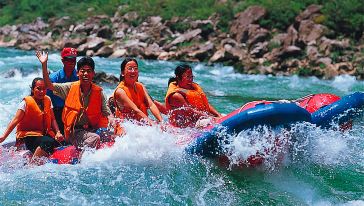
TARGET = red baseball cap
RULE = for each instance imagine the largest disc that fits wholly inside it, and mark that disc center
(69, 52)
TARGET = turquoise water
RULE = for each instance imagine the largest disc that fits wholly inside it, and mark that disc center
(147, 167)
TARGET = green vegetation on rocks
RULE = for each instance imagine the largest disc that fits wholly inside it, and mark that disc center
(344, 17)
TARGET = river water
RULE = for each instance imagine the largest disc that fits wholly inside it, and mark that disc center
(147, 167)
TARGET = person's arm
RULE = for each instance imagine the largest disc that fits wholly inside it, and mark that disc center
(153, 108)
(161, 107)
(59, 136)
(177, 100)
(17, 118)
(123, 99)
(214, 111)
(43, 59)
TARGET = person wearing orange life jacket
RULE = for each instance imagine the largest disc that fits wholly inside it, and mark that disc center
(131, 98)
(185, 100)
(36, 124)
(85, 109)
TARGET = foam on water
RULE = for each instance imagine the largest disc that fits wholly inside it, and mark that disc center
(344, 82)
(140, 144)
(148, 166)
(330, 147)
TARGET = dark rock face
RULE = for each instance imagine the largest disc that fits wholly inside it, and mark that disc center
(102, 78)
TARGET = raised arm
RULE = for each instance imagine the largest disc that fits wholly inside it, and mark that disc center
(17, 118)
(43, 59)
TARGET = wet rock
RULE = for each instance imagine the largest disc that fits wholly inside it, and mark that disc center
(219, 56)
(90, 53)
(10, 43)
(119, 53)
(167, 55)
(104, 51)
(330, 72)
(102, 77)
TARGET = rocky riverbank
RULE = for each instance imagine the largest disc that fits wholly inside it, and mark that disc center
(306, 48)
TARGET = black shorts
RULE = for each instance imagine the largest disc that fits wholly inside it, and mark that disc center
(46, 143)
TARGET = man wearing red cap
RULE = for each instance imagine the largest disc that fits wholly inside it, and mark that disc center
(67, 74)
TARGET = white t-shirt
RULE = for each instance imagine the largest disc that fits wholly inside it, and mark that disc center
(22, 105)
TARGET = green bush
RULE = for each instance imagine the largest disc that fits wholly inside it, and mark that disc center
(345, 17)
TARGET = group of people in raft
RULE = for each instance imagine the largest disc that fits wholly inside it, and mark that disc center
(75, 108)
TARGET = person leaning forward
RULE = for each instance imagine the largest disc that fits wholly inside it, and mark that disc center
(85, 108)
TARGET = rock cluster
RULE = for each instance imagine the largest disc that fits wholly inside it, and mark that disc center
(304, 49)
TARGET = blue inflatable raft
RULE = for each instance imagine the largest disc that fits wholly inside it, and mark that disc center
(271, 114)
(340, 111)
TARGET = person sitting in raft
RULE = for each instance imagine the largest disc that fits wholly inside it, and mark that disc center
(85, 110)
(185, 100)
(131, 98)
(35, 122)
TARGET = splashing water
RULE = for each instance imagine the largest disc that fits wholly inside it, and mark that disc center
(303, 164)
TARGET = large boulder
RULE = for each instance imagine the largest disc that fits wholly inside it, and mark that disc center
(256, 34)
(310, 31)
(184, 37)
(243, 19)
(152, 51)
(119, 53)
(291, 37)
(105, 32)
(104, 51)
(203, 51)
(91, 44)
(309, 12)
(102, 78)
(326, 45)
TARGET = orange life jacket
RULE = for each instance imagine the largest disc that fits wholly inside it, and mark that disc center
(35, 121)
(137, 96)
(195, 97)
(73, 108)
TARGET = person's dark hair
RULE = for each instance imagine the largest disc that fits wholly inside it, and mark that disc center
(33, 84)
(178, 72)
(123, 64)
(86, 61)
